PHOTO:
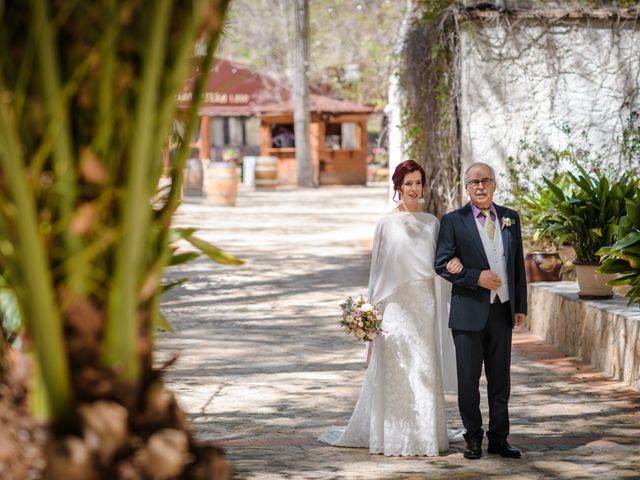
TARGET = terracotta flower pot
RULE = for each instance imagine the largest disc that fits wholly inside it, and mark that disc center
(543, 266)
(593, 285)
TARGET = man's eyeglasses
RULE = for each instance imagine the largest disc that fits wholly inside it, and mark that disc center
(476, 183)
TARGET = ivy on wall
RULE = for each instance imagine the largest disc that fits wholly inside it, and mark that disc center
(429, 118)
(430, 68)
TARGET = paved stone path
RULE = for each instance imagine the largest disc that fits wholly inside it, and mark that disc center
(263, 368)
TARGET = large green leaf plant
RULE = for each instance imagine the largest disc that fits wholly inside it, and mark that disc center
(528, 192)
(587, 213)
(87, 101)
(623, 257)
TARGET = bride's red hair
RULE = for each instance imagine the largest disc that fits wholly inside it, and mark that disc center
(401, 171)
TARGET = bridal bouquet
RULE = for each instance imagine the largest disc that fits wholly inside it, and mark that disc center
(361, 318)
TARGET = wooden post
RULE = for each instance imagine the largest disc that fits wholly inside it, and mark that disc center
(364, 139)
(314, 140)
(265, 138)
(204, 149)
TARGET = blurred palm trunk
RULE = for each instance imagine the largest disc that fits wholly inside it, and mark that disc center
(87, 101)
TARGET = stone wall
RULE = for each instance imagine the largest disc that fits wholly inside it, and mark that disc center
(604, 333)
(523, 79)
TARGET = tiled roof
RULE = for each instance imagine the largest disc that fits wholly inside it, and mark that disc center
(235, 89)
(319, 103)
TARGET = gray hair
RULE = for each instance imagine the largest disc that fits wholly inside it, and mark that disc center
(478, 164)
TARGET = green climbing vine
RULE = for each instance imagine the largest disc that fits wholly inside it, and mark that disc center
(430, 66)
(429, 120)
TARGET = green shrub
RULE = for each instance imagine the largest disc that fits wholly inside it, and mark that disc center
(623, 257)
(587, 214)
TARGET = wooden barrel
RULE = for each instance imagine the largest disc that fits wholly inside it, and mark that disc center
(221, 183)
(193, 177)
(266, 173)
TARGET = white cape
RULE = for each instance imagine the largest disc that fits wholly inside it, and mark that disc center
(403, 251)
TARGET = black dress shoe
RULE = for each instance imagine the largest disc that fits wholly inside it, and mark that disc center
(473, 450)
(504, 449)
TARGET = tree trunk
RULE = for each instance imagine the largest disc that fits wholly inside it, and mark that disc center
(393, 109)
(306, 174)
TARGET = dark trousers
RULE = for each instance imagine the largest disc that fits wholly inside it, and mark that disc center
(491, 346)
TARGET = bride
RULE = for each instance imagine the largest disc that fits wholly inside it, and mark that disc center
(400, 410)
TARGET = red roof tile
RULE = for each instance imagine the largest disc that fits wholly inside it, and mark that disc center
(235, 89)
(319, 103)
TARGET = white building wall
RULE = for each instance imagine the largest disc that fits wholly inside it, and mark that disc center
(523, 82)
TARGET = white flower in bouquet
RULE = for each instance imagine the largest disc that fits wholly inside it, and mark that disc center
(361, 318)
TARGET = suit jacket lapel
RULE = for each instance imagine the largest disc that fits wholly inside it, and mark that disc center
(505, 232)
(472, 228)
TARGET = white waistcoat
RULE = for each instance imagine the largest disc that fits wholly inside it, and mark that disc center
(495, 254)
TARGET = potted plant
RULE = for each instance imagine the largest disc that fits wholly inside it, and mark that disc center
(623, 257)
(543, 262)
(533, 201)
(586, 215)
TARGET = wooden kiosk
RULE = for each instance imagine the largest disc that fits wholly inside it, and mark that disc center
(338, 140)
(260, 111)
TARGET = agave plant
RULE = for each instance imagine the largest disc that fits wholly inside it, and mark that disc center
(587, 214)
(87, 101)
(623, 257)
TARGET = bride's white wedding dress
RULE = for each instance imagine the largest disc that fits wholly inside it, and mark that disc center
(400, 410)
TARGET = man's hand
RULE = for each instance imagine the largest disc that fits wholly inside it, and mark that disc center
(454, 266)
(489, 280)
(520, 319)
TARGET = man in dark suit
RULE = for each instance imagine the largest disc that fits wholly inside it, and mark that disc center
(488, 298)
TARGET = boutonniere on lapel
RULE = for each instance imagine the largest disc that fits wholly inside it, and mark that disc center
(507, 222)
